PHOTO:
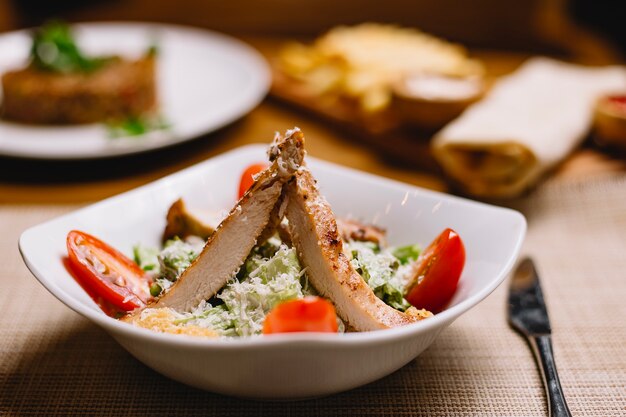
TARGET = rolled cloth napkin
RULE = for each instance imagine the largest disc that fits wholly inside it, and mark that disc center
(529, 122)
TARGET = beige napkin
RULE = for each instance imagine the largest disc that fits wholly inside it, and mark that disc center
(530, 121)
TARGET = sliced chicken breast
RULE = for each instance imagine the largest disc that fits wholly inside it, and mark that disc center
(314, 233)
(229, 246)
(355, 230)
(274, 224)
(183, 222)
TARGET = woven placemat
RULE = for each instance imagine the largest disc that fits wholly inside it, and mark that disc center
(55, 363)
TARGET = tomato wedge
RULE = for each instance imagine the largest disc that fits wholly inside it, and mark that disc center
(247, 178)
(309, 314)
(438, 271)
(106, 272)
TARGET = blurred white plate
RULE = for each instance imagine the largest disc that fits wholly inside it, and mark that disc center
(205, 81)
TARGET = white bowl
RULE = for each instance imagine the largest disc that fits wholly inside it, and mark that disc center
(293, 365)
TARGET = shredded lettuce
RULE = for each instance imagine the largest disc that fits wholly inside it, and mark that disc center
(271, 275)
(246, 301)
(146, 257)
(259, 255)
(176, 256)
(217, 318)
(166, 265)
(406, 254)
(380, 270)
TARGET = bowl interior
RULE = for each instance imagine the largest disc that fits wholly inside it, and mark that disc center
(492, 235)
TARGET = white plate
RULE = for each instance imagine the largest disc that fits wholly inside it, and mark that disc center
(205, 81)
(295, 365)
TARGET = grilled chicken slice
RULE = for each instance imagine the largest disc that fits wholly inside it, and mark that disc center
(275, 225)
(183, 222)
(350, 229)
(315, 235)
(229, 246)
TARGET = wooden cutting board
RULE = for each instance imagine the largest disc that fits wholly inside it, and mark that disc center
(383, 131)
(386, 134)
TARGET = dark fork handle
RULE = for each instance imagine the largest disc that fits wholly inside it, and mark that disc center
(542, 348)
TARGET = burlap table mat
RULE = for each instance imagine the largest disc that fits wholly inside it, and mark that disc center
(54, 362)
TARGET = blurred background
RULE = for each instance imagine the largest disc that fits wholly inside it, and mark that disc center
(501, 33)
(590, 28)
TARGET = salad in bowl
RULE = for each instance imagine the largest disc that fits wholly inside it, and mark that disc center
(251, 285)
(279, 261)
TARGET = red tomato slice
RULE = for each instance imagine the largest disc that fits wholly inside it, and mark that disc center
(438, 271)
(107, 272)
(618, 102)
(247, 178)
(309, 314)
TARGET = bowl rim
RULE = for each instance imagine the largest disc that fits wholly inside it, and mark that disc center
(117, 327)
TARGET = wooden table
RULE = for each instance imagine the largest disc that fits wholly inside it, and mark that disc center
(55, 362)
(34, 182)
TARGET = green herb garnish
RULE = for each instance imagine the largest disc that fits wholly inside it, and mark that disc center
(137, 126)
(54, 49)
(153, 50)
